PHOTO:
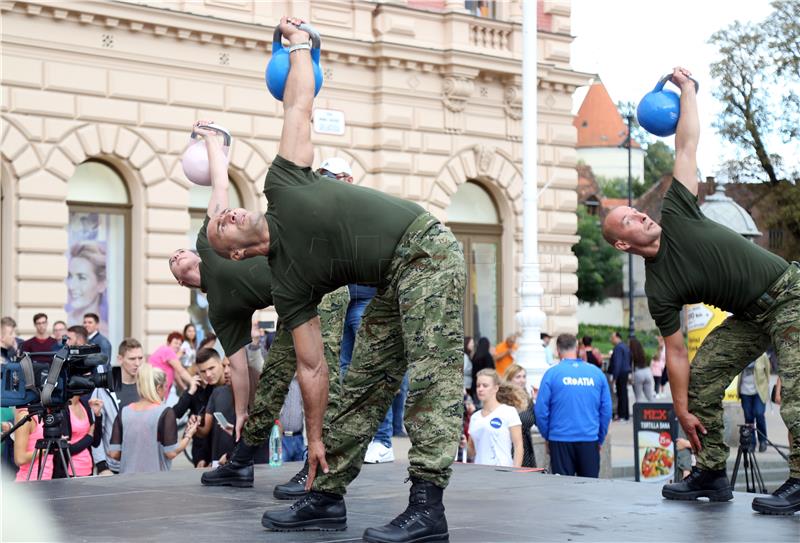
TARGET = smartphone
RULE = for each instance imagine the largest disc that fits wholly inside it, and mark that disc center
(222, 421)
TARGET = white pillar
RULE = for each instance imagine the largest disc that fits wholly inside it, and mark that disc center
(530, 319)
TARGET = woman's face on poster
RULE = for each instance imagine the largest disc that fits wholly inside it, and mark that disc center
(83, 284)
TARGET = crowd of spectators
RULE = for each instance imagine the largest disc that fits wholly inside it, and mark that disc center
(176, 400)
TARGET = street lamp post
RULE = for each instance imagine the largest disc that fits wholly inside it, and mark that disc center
(530, 354)
(628, 141)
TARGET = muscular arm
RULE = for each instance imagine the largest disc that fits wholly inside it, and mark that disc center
(298, 100)
(218, 167)
(312, 374)
(240, 384)
(687, 136)
(678, 368)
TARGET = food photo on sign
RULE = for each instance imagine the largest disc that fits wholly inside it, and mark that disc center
(654, 434)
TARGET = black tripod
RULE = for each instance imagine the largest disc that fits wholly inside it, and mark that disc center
(51, 442)
(752, 473)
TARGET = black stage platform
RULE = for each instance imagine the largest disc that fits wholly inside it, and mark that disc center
(484, 504)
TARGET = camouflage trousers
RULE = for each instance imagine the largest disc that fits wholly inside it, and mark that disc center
(414, 323)
(733, 345)
(281, 364)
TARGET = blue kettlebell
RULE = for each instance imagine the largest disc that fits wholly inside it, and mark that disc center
(659, 110)
(278, 66)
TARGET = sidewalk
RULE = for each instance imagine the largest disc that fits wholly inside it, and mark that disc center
(621, 435)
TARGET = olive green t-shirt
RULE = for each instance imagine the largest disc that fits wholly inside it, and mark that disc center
(702, 261)
(235, 289)
(325, 234)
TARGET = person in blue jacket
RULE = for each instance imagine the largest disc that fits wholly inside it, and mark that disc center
(573, 410)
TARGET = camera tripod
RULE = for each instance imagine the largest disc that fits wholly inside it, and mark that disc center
(51, 442)
(752, 473)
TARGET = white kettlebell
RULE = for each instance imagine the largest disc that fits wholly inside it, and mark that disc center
(195, 157)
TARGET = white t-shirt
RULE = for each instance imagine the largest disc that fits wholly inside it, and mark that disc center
(491, 435)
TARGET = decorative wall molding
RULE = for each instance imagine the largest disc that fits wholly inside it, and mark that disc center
(456, 91)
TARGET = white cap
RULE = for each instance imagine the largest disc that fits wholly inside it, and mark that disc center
(336, 165)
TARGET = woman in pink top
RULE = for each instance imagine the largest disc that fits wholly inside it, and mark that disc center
(24, 441)
(166, 359)
(86, 431)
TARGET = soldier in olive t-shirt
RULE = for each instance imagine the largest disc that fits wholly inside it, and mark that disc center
(234, 290)
(692, 259)
(320, 235)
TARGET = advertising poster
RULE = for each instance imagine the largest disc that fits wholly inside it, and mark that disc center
(655, 429)
(96, 271)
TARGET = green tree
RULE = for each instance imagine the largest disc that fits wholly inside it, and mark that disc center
(599, 264)
(757, 75)
(659, 160)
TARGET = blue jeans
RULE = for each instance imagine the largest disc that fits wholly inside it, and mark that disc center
(351, 323)
(753, 409)
(293, 448)
(394, 416)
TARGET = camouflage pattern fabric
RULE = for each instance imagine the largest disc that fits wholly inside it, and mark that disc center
(414, 323)
(281, 363)
(729, 348)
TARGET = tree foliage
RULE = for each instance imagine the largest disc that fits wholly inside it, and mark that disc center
(756, 77)
(659, 160)
(599, 264)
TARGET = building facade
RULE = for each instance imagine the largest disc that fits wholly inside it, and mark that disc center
(422, 98)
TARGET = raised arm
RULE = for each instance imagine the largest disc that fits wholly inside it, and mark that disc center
(312, 374)
(687, 135)
(217, 166)
(298, 98)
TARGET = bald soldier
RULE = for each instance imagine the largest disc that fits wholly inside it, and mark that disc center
(319, 235)
(234, 291)
(688, 259)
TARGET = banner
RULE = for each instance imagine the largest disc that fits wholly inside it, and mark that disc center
(96, 271)
(655, 429)
(700, 320)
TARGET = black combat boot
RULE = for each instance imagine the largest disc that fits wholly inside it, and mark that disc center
(295, 488)
(315, 511)
(238, 471)
(700, 483)
(423, 519)
(784, 501)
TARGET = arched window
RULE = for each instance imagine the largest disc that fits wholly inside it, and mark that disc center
(473, 217)
(98, 277)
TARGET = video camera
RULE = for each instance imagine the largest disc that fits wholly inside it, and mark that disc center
(72, 372)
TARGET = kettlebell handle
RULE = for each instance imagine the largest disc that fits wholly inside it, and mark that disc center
(663, 81)
(313, 34)
(220, 130)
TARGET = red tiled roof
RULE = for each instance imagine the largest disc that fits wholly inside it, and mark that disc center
(598, 121)
(611, 203)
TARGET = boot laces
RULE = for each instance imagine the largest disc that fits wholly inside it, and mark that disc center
(417, 507)
(412, 513)
(301, 476)
(302, 502)
(791, 486)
